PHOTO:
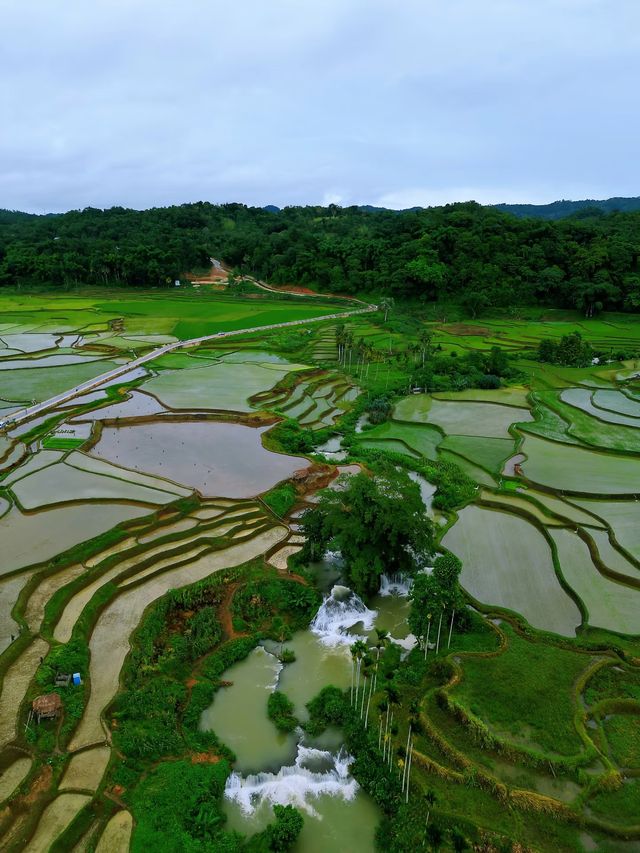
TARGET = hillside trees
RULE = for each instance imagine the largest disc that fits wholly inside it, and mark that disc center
(466, 253)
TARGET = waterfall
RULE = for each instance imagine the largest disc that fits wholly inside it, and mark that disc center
(341, 610)
(314, 772)
(396, 584)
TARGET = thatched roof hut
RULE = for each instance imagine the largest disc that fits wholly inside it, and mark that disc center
(47, 707)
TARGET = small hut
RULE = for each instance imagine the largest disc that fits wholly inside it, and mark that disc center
(47, 707)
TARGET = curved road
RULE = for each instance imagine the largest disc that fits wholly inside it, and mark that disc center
(39, 408)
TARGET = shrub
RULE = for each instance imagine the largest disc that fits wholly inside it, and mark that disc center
(280, 711)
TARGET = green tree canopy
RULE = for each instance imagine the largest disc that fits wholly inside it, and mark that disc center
(377, 523)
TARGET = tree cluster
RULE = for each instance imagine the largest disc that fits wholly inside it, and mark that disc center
(466, 253)
(476, 369)
(570, 351)
(377, 523)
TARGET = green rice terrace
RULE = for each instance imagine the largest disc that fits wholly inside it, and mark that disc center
(184, 668)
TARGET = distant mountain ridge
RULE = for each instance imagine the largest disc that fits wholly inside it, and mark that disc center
(564, 208)
(555, 210)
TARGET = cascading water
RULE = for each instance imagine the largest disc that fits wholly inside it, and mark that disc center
(392, 612)
(396, 584)
(314, 772)
(341, 610)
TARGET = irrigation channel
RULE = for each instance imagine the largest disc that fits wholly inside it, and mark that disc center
(39, 408)
(310, 773)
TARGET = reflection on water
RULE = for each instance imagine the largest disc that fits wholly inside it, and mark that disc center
(218, 459)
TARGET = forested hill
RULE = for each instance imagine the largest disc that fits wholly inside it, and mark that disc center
(463, 252)
(561, 209)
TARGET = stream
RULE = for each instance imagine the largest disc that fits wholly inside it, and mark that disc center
(309, 773)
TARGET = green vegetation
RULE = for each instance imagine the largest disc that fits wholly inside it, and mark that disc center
(522, 709)
(516, 706)
(280, 710)
(377, 523)
(462, 250)
(155, 717)
(281, 499)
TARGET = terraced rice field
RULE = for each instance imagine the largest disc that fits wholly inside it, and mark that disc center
(91, 537)
(315, 402)
(225, 386)
(416, 439)
(574, 469)
(623, 517)
(457, 417)
(507, 562)
(610, 605)
(221, 459)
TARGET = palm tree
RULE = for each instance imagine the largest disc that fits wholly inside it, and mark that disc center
(434, 835)
(358, 651)
(340, 340)
(382, 641)
(424, 340)
(386, 304)
(430, 799)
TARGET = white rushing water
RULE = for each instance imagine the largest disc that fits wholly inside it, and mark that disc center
(341, 610)
(315, 772)
(397, 584)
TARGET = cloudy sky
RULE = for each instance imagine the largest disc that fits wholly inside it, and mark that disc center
(386, 102)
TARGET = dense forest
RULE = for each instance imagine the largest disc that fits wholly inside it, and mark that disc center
(479, 256)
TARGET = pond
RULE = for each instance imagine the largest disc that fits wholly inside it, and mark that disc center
(218, 459)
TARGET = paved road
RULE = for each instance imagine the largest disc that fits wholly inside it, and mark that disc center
(92, 384)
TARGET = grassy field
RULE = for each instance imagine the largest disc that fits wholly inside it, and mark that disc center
(423, 440)
(515, 706)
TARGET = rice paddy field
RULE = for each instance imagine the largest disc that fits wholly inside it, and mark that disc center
(156, 482)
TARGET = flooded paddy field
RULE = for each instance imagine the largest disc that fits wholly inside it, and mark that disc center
(217, 459)
(172, 506)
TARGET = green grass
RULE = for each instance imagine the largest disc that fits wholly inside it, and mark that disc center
(53, 442)
(623, 735)
(489, 453)
(281, 499)
(505, 692)
(423, 440)
(621, 806)
(389, 445)
(613, 683)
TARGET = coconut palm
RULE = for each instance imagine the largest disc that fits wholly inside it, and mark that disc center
(340, 340)
(358, 651)
(386, 304)
(424, 341)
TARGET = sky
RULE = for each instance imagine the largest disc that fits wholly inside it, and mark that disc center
(394, 103)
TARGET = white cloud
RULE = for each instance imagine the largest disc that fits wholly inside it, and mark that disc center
(146, 102)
